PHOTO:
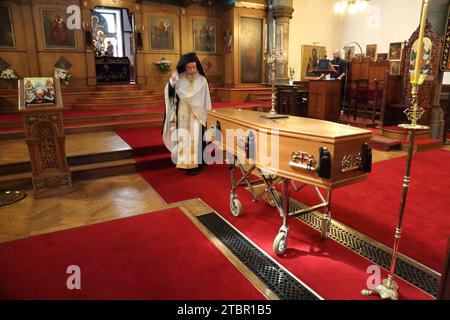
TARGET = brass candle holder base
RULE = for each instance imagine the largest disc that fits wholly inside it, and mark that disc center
(274, 116)
(272, 59)
(388, 289)
(10, 197)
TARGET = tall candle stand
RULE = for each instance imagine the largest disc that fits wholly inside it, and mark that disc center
(388, 289)
(272, 59)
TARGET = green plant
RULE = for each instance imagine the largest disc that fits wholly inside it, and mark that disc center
(163, 65)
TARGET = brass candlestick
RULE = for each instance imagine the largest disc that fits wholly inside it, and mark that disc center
(271, 59)
(388, 289)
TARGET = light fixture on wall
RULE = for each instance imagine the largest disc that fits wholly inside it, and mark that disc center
(350, 6)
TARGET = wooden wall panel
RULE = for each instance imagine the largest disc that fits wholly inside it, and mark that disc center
(31, 58)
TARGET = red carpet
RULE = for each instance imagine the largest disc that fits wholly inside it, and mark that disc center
(372, 206)
(148, 148)
(159, 255)
(73, 113)
(331, 270)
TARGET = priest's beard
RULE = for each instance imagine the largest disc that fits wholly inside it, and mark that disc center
(191, 77)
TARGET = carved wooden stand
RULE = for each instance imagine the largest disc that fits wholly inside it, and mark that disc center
(44, 135)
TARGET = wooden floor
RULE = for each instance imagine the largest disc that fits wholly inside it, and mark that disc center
(92, 201)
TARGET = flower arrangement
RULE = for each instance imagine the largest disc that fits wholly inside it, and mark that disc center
(291, 73)
(63, 74)
(8, 74)
(163, 65)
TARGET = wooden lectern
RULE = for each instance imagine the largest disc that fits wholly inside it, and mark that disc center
(40, 104)
(324, 99)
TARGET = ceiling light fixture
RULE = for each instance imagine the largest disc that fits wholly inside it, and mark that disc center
(350, 6)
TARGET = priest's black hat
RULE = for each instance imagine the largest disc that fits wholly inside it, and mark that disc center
(188, 58)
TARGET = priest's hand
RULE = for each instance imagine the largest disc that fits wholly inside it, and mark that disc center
(173, 77)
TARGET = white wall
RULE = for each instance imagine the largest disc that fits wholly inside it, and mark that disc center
(385, 21)
(313, 22)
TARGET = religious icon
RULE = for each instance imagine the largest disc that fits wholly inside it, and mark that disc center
(424, 62)
(109, 49)
(395, 51)
(371, 51)
(99, 29)
(310, 60)
(227, 39)
(382, 56)
(161, 33)
(56, 33)
(349, 53)
(39, 90)
(206, 65)
(204, 35)
(394, 68)
(251, 50)
(6, 28)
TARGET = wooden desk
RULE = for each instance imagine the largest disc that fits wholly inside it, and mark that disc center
(324, 99)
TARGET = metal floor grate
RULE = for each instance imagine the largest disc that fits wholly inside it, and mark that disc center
(428, 282)
(276, 278)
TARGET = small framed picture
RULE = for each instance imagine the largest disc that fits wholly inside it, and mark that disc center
(382, 56)
(394, 68)
(349, 53)
(395, 50)
(371, 51)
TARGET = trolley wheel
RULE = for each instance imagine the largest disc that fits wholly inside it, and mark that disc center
(235, 206)
(280, 243)
(325, 228)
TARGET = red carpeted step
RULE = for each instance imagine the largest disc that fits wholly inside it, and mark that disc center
(420, 142)
(158, 255)
(148, 147)
(127, 100)
(6, 118)
(383, 143)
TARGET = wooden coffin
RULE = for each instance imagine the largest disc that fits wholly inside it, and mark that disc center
(312, 151)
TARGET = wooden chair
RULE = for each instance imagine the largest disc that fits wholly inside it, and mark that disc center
(292, 100)
(358, 96)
